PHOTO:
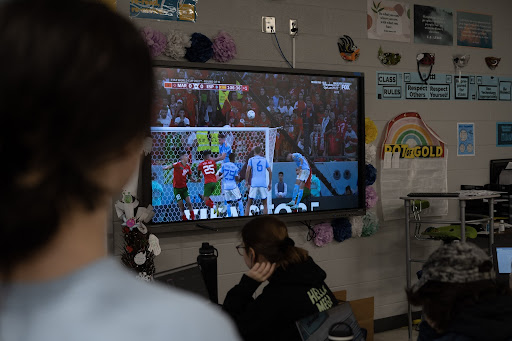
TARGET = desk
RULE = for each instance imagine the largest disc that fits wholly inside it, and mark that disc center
(462, 199)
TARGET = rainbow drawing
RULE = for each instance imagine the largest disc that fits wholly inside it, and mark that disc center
(410, 129)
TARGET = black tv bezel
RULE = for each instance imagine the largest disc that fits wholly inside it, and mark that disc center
(145, 192)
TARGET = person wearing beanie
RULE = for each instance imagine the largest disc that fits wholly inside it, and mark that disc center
(296, 284)
(459, 296)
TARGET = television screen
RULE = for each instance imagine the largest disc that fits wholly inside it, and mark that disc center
(243, 141)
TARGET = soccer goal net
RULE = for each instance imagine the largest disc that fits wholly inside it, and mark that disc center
(171, 142)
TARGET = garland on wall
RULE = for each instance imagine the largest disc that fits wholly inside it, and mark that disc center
(195, 48)
(341, 229)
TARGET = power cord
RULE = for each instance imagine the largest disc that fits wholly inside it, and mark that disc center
(311, 232)
(281, 51)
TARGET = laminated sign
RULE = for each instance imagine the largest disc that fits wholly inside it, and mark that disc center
(413, 159)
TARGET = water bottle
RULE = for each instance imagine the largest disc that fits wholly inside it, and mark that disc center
(207, 261)
(502, 226)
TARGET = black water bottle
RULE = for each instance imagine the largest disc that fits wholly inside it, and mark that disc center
(207, 261)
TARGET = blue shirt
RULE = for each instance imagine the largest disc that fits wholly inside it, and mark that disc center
(157, 190)
(297, 158)
(225, 148)
(103, 301)
(259, 167)
(230, 171)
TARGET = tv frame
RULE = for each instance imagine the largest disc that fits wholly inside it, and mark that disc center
(144, 191)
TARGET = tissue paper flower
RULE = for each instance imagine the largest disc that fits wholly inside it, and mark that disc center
(342, 229)
(357, 225)
(224, 48)
(177, 42)
(323, 234)
(156, 41)
(370, 130)
(200, 49)
(371, 197)
(370, 153)
(370, 175)
(370, 224)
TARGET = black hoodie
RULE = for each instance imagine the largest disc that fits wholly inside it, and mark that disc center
(490, 320)
(290, 295)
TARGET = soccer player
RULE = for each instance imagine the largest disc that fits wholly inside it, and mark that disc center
(229, 175)
(208, 167)
(182, 171)
(256, 172)
(224, 149)
(302, 177)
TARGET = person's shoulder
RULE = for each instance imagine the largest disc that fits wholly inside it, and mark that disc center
(164, 312)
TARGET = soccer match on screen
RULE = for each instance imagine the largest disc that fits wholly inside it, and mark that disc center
(237, 143)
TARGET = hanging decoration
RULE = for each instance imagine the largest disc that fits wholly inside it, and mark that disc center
(323, 234)
(371, 197)
(357, 226)
(370, 174)
(342, 229)
(200, 49)
(492, 62)
(140, 248)
(389, 58)
(460, 62)
(370, 224)
(425, 59)
(155, 40)
(370, 153)
(177, 43)
(224, 47)
(348, 50)
(370, 129)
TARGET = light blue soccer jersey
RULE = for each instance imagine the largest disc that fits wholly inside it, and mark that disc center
(230, 171)
(225, 148)
(297, 157)
(259, 167)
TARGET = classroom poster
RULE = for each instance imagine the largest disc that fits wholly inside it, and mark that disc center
(503, 134)
(388, 20)
(170, 10)
(466, 139)
(474, 30)
(413, 159)
(433, 25)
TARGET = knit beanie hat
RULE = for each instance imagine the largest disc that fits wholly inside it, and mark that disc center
(455, 263)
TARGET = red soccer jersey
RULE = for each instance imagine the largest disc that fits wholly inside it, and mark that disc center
(208, 168)
(180, 175)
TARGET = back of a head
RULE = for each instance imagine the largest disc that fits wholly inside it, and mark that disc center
(268, 236)
(70, 73)
(455, 276)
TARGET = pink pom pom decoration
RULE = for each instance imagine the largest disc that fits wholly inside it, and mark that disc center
(224, 47)
(371, 197)
(323, 234)
(156, 41)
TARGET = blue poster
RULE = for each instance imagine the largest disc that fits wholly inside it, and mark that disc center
(466, 139)
(170, 10)
(503, 134)
(474, 30)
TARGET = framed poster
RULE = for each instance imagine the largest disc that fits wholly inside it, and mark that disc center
(433, 25)
(503, 134)
(474, 30)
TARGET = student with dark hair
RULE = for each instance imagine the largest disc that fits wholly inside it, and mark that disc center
(68, 147)
(459, 296)
(295, 289)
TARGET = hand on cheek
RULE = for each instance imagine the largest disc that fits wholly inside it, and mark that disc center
(261, 271)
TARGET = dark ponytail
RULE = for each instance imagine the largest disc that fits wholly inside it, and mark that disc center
(268, 237)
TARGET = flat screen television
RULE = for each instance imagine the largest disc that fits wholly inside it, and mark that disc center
(220, 131)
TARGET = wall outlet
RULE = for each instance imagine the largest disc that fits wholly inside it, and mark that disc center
(294, 29)
(268, 24)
